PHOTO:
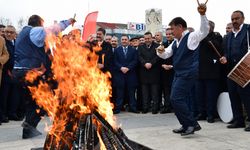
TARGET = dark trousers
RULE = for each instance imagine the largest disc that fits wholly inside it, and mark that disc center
(32, 117)
(239, 95)
(139, 98)
(150, 91)
(206, 96)
(166, 90)
(180, 99)
(120, 95)
(10, 98)
(33, 112)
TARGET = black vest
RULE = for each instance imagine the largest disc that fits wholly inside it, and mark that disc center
(185, 61)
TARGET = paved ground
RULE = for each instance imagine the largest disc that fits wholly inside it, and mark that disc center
(154, 131)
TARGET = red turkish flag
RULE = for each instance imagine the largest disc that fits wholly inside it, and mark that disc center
(89, 25)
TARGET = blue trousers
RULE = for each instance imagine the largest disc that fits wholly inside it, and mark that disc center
(180, 99)
(120, 94)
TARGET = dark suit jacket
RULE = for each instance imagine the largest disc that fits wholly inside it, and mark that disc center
(167, 75)
(130, 61)
(148, 55)
(209, 63)
(108, 57)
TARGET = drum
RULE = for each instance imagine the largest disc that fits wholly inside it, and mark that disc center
(241, 72)
(224, 107)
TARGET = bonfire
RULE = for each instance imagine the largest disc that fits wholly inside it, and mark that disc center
(79, 105)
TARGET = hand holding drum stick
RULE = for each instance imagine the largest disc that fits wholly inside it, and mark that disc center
(214, 48)
(223, 59)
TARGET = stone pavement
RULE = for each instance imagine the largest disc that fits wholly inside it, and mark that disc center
(154, 131)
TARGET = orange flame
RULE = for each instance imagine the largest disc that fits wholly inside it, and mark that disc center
(81, 88)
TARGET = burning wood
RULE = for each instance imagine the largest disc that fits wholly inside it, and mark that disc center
(86, 137)
(79, 105)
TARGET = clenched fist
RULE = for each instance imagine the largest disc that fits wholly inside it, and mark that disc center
(202, 8)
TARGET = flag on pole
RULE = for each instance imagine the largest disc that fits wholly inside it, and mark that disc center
(89, 26)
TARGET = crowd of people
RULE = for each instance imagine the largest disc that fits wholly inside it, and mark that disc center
(183, 74)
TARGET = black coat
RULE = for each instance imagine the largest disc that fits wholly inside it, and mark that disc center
(167, 75)
(108, 61)
(148, 55)
(209, 63)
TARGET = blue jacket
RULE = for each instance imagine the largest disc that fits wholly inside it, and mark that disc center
(130, 61)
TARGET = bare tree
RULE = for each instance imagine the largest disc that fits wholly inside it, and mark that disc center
(22, 22)
(5, 21)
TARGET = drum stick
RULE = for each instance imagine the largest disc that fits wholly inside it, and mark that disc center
(215, 49)
(74, 19)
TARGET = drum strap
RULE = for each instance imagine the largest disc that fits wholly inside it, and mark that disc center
(248, 28)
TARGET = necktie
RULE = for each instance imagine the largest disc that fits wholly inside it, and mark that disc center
(125, 50)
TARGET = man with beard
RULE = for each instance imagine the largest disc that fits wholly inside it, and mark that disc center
(105, 60)
(236, 46)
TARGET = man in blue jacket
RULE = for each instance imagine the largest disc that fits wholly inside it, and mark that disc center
(125, 60)
(30, 54)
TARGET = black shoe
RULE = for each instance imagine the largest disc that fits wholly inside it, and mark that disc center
(145, 111)
(0, 123)
(134, 111)
(210, 120)
(197, 127)
(247, 129)
(116, 111)
(15, 117)
(236, 125)
(188, 131)
(180, 130)
(200, 117)
(164, 111)
(29, 131)
(5, 120)
(154, 112)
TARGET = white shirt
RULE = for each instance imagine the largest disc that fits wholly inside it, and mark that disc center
(236, 32)
(194, 38)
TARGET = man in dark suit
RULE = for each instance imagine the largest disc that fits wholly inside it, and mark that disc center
(207, 85)
(167, 75)
(105, 60)
(236, 46)
(149, 74)
(125, 60)
(9, 91)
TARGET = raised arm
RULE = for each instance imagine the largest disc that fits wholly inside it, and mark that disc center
(196, 36)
